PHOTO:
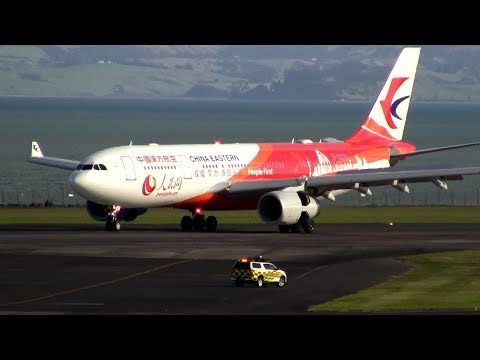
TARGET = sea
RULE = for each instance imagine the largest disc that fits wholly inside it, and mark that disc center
(73, 128)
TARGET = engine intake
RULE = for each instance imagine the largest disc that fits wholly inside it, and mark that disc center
(99, 212)
(286, 207)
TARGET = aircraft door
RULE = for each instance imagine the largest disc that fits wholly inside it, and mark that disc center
(129, 168)
(324, 165)
(187, 171)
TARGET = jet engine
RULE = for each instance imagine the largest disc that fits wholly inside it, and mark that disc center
(286, 207)
(99, 212)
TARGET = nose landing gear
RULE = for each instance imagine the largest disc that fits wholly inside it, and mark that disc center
(112, 223)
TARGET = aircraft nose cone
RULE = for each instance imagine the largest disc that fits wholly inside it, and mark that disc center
(79, 183)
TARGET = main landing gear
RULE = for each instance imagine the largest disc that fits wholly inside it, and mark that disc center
(197, 222)
(304, 223)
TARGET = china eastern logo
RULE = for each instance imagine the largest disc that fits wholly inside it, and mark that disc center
(149, 185)
(390, 108)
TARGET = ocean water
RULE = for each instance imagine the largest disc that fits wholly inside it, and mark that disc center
(75, 127)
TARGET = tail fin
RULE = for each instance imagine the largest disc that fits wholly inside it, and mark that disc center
(388, 115)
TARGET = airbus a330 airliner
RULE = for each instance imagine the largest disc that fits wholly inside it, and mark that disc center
(284, 182)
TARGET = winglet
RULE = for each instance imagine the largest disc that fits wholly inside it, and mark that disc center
(36, 151)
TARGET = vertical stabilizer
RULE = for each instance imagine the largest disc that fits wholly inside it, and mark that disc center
(388, 116)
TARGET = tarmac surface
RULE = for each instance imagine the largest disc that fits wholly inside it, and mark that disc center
(161, 270)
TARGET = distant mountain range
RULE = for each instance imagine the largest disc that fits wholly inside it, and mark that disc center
(273, 72)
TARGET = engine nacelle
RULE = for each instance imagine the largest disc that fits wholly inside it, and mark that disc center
(286, 207)
(99, 212)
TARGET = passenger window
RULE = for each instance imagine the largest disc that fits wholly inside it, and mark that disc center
(256, 265)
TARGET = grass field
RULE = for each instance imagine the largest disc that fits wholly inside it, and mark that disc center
(437, 281)
(79, 215)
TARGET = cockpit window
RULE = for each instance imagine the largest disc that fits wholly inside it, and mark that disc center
(90, 167)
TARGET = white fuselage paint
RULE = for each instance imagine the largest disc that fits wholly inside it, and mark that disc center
(180, 172)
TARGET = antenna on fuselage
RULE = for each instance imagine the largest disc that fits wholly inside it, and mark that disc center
(130, 143)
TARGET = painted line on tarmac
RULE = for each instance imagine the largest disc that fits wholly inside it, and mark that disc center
(304, 275)
(8, 313)
(78, 304)
(95, 285)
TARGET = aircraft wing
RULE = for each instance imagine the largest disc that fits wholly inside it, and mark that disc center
(37, 157)
(431, 150)
(379, 178)
(351, 180)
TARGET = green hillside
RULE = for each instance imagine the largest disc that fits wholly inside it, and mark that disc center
(446, 73)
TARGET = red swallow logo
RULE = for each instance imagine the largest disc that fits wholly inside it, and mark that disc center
(388, 108)
(147, 188)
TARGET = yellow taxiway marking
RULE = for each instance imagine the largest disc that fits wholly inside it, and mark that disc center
(95, 285)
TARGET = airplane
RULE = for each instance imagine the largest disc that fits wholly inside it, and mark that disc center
(284, 182)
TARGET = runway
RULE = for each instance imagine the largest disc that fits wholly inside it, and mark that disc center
(161, 270)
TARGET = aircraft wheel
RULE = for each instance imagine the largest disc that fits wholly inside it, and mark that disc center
(186, 223)
(296, 228)
(211, 223)
(116, 226)
(309, 227)
(198, 222)
(111, 224)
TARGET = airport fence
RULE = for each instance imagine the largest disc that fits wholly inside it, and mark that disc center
(60, 194)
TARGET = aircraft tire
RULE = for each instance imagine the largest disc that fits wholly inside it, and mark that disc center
(198, 223)
(211, 224)
(309, 227)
